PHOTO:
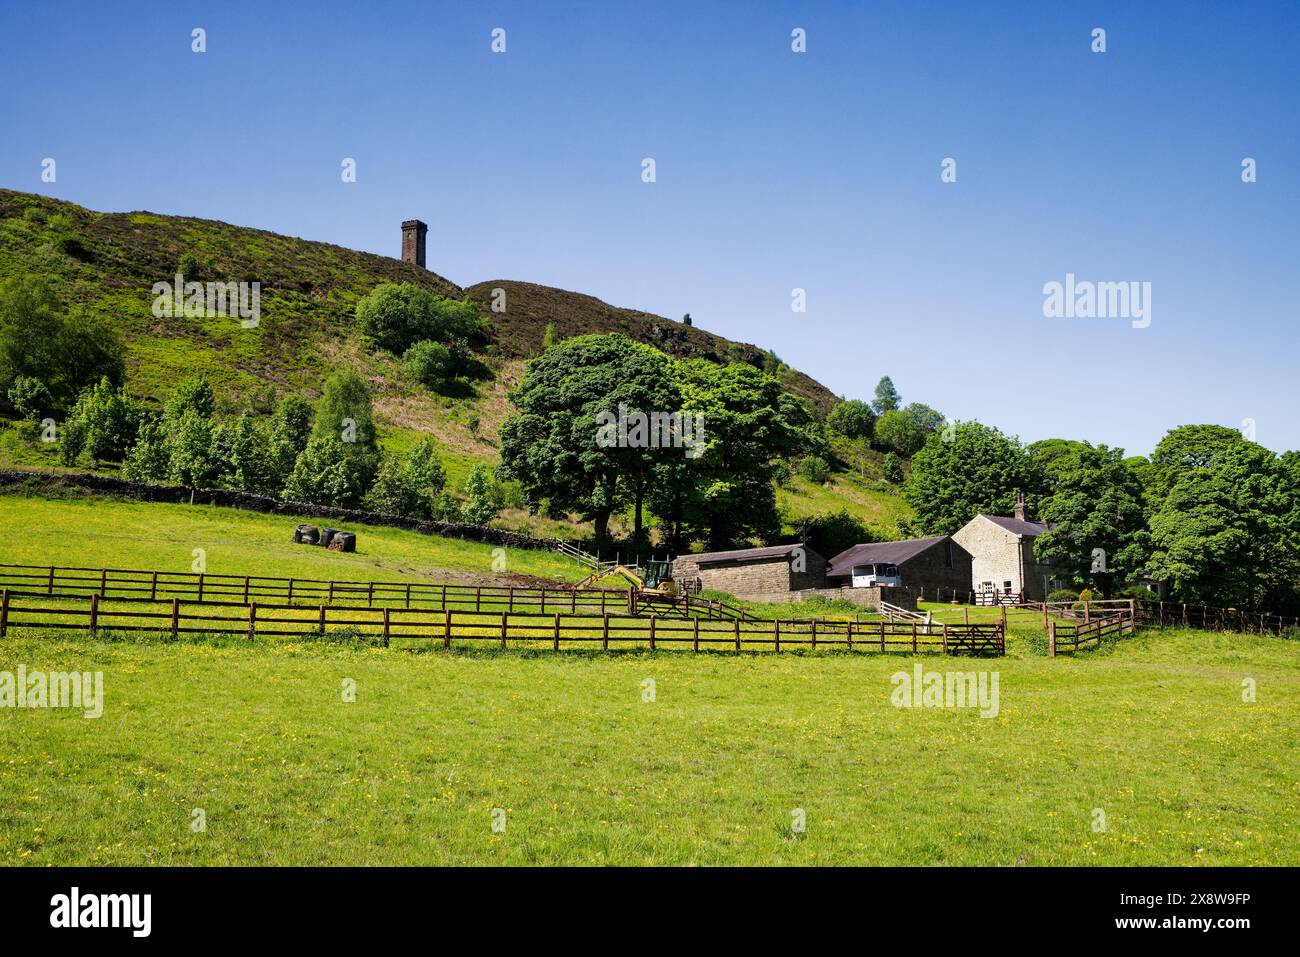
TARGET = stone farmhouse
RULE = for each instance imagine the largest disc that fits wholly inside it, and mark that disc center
(1002, 556)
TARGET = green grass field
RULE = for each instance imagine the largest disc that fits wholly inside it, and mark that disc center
(103, 532)
(1153, 731)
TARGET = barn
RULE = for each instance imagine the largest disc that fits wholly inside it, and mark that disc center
(754, 574)
(929, 566)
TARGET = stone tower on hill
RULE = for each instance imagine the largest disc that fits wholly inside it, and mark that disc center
(413, 233)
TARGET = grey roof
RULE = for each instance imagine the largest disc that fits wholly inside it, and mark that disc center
(743, 554)
(894, 553)
(1017, 526)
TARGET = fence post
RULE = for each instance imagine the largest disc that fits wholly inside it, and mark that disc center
(322, 619)
(913, 637)
(4, 612)
(245, 589)
(94, 614)
(446, 627)
(882, 635)
(652, 632)
(385, 626)
(50, 590)
(153, 587)
(736, 621)
(176, 614)
(697, 635)
(201, 576)
(776, 634)
(814, 634)
(1004, 617)
(555, 643)
(1051, 639)
(103, 581)
(945, 637)
(408, 596)
(848, 631)
(503, 628)
(252, 620)
(370, 593)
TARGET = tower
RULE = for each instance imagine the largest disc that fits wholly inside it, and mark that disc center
(413, 233)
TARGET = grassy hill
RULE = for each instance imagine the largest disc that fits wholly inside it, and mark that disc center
(107, 263)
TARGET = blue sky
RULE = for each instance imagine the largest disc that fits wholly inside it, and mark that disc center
(775, 170)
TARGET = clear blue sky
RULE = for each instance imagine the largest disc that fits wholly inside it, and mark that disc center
(775, 171)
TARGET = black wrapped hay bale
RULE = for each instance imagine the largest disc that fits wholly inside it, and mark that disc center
(327, 535)
(306, 535)
(343, 542)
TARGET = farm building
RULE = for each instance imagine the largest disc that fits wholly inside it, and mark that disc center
(754, 573)
(927, 565)
(1002, 555)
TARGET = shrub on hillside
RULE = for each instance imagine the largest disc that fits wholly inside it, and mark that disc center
(30, 398)
(893, 469)
(1064, 594)
(815, 469)
(409, 485)
(395, 316)
(103, 424)
(435, 364)
(482, 496)
(898, 432)
(852, 418)
(326, 474)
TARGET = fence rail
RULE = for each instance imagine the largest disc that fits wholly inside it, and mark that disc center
(176, 617)
(1071, 635)
(54, 580)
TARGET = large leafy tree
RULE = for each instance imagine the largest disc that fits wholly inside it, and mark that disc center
(852, 418)
(897, 431)
(1099, 535)
(727, 494)
(951, 482)
(1186, 449)
(887, 397)
(345, 414)
(395, 316)
(552, 446)
(1228, 531)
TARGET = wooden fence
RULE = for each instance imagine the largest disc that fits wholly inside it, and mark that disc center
(51, 580)
(176, 617)
(1071, 635)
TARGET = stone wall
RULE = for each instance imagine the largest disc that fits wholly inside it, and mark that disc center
(866, 597)
(771, 576)
(929, 570)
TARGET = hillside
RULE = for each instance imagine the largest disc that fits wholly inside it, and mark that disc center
(107, 263)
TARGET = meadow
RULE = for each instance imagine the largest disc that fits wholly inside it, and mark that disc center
(99, 532)
(1152, 731)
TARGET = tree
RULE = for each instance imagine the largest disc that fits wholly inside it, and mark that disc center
(245, 451)
(549, 338)
(852, 418)
(326, 473)
(686, 319)
(409, 485)
(30, 398)
(395, 316)
(66, 353)
(893, 469)
(726, 495)
(194, 457)
(150, 458)
(290, 431)
(978, 471)
(1228, 531)
(898, 432)
(1098, 534)
(887, 398)
(345, 414)
(927, 419)
(483, 499)
(431, 363)
(1187, 448)
(553, 445)
(194, 394)
(815, 469)
(104, 423)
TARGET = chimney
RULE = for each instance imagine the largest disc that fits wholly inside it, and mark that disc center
(413, 232)
(1020, 506)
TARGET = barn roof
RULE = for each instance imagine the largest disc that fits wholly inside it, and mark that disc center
(895, 553)
(745, 554)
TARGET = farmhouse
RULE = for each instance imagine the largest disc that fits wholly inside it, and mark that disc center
(754, 573)
(1002, 555)
(925, 565)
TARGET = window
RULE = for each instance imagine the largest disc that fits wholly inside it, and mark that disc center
(1006, 587)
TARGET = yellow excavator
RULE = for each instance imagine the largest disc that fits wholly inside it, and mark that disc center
(658, 579)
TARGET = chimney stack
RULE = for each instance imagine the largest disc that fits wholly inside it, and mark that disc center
(1020, 506)
(413, 233)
